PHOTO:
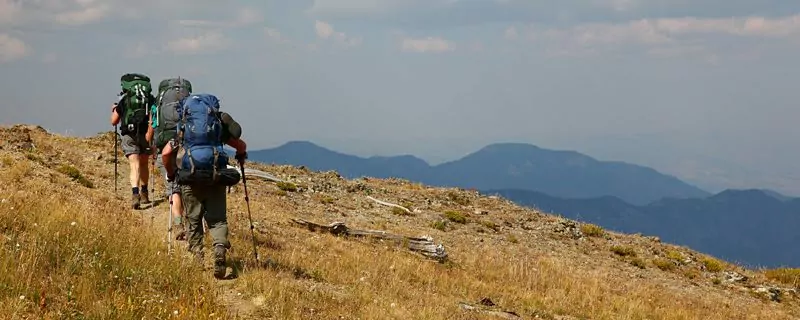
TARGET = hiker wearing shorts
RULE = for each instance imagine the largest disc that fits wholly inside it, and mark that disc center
(203, 199)
(136, 150)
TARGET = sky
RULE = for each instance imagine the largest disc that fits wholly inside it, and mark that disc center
(703, 90)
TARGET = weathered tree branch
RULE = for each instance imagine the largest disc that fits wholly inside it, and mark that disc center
(257, 173)
(423, 245)
(389, 204)
(496, 313)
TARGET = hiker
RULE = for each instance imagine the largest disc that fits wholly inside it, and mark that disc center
(200, 169)
(131, 115)
(163, 129)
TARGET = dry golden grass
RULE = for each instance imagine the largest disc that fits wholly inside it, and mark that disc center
(592, 230)
(789, 276)
(82, 255)
(522, 266)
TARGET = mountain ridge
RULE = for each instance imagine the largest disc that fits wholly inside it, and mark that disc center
(748, 226)
(498, 165)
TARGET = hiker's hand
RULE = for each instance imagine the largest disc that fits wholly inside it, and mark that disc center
(149, 136)
(241, 156)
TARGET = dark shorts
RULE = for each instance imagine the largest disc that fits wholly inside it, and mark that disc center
(138, 145)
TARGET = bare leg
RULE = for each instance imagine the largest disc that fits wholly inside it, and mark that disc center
(134, 174)
(144, 169)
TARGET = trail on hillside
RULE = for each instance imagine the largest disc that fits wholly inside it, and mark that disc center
(157, 216)
(500, 257)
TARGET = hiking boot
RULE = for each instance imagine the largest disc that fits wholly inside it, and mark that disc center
(219, 262)
(135, 202)
(181, 233)
(144, 197)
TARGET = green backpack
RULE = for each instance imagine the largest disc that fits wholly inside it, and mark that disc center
(171, 93)
(137, 97)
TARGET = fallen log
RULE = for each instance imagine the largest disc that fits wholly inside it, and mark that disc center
(489, 311)
(423, 245)
(389, 204)
(257, 173)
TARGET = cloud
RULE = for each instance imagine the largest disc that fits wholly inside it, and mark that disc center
(326, 31)
(429, 44)
(743, 26)
(89, 12)
(54, 12)
(273, 34)
(667, 35)
(9, 11)
(510, 33)
(207, 42)
(12, 48)
(248, 16)
(243, 17)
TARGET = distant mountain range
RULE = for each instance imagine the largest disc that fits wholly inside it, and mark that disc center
(566, 174)
(752, 227)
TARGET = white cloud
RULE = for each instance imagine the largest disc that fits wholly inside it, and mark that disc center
(243, 17)
(208, 42)
(89, 12)
(248, 16)
(12, 48)
(667, 35)
(742, 26)
(9, 11)
(326, 31)
(273, 34)
(510, 33)
(429, 44)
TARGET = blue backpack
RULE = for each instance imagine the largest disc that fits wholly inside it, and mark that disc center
(201, 158)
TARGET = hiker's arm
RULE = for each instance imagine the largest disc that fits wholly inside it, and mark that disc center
(233, 127)
(151, 124)
(150, 131)
(167, 160)
(114, 115)
(238, 144)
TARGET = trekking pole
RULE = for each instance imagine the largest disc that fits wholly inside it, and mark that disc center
(153, 174)
(115, 160)
(247, 200)
(169, 227)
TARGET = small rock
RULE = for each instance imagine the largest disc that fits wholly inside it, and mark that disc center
(731, 276)
(773, 293)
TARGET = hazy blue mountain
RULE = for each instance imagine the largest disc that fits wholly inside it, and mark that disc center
(499, 166)
(751, 227)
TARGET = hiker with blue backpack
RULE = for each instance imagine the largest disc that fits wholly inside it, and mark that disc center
(200, 169)
(131, 114)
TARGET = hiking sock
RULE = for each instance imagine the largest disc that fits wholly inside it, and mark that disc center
(176, 220)
(144, 188)
(135, 190)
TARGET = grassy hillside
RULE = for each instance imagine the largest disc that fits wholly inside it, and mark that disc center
(70, 247)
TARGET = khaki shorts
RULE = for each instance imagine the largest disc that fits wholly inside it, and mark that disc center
(138, 145)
